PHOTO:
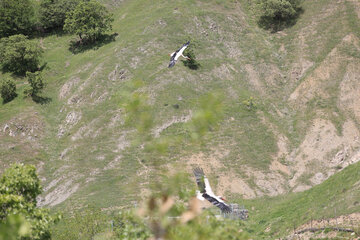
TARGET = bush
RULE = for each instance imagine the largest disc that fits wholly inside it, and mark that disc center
(19, 187)
(191, 62)
(8, 90)
(89, 20)
(36, 83)
(53, 12)
(16, 16)
(19, 55)
(276, 14)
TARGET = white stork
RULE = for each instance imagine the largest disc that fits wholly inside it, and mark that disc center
(206, 192)
(175, 55)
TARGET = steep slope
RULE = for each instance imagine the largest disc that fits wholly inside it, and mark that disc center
(304, 81)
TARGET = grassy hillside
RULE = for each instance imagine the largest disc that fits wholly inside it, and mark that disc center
(278, 216)
(304, 128)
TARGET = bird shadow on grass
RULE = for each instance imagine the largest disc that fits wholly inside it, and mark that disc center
(79, 46)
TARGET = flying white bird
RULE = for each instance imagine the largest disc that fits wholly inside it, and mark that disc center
(175, 55)
(206, 192)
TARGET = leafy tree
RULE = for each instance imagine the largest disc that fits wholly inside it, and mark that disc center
(88, 20)
(36, 83)
(18, 54)
(16, 16)
(19, 187)
(8, 90)
(276, 14)
(53, 12)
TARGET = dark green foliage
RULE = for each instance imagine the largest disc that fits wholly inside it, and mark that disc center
(36, 83)
(277, 14)
(16, 16)
(8, 90)
(19, 55)
(191, 62)
(53, 12)
(19, 187)
(89, 20)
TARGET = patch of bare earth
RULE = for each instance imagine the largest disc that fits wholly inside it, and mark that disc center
(20, 139)
(254, 78)
(323, 151)
(212, 165)
(59, 194)
(350, 90)
(182, 119)
(316, 83)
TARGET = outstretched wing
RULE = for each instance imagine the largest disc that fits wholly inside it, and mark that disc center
(218, 203)
(199, 175)
(182, 49)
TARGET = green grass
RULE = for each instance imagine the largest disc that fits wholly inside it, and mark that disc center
(336, 196)
(147, 32)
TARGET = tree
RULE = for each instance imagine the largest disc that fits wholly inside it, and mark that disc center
(18, 54)
(53, 12)
(15, 17)
(19, 187)
(277, 13)
(36, 83)
(88, 20)
(8, 90)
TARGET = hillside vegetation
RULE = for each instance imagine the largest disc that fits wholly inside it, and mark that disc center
(284, 110)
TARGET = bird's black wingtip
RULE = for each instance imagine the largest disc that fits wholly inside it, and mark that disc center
(171, 64)
(198, 171)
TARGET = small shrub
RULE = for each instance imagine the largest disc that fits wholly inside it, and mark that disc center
(8, 90)
(250, 103)
(36, 82)
(191, 62)
(276, 14)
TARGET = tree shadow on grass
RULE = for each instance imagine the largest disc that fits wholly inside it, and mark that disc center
(10, 99)
(279, 24)
(22, 74)
(79, 46)
(41, 100)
